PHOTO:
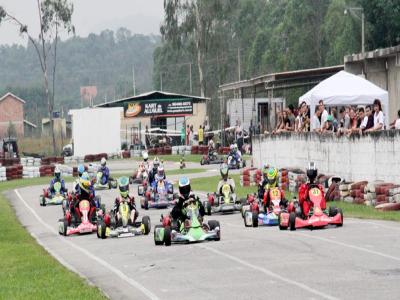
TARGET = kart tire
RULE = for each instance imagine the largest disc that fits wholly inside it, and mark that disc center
(281, 227)
(333, 211)
(167, 236)
(207, 207)
(63, 226)
(201, 162)
(340, 212)
(101, 230)
(146, 204)
(212, 224)
(254, 219)
(292, 221)
(42, 201)
(157, 243)
(147, 224)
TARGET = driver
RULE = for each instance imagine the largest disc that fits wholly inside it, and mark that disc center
(105, 171)
(224, 170)
(123, 186)
(81, 169)
(153, 171)
(270, 181)
(304, 200)
(84, 191)
(57, 178)
(146, 163)
(185, 193)
(236, 153)
(159, 179)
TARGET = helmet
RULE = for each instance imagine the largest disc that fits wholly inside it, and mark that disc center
(312, 171)
(103, 161)
(84, 181)
(224, 170)
(156, 163)
(123, 186)
(272, 176)
(235, 146)
(231, 147)
(57, 173)
(184, 187)
(81, 169)
(145, 155)
(329, 118)
(160, 171)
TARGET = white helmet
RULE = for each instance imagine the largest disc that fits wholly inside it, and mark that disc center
(231, 147)
(103, 161)
(235, 146)
(145, 155)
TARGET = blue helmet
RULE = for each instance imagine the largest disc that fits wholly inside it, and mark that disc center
(81, 169)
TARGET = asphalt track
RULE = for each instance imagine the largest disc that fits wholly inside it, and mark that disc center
(361, 260)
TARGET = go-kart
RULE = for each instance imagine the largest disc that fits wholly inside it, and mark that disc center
(162, 196)
(48, 199)
(211, 158)
(81, 224)
(317, 218)
(139, 177)
(235, 163)
(192, 230)
(120, 224)
(254, 216)
(225, 203)
(110, 184)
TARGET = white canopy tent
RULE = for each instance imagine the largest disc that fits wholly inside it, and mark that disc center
(344, 89)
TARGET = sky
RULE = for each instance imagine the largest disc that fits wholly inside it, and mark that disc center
(139, 16)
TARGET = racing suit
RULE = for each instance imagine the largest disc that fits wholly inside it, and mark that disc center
(152, 174)
(221, 183)
(304, 200)
(81, 194)
(106, 174)
(264, 189)
(131, 203)
(177, 212)
(51, 190)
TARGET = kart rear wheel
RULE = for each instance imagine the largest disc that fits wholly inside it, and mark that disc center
(146, 204)
(207, 207)
(333, 211)
(62, 227)
(156, 242)
(201, 162)
(292, 221)
(167, 236)
(42, 201)
(214, 224)
(254, 219)
(146, 224)
(101, 230)
(340, 212)
(281, 227)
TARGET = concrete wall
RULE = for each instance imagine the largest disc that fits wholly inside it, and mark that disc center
(11, 110)
(372, 157)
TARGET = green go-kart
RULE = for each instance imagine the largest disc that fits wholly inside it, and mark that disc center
(52, 199)
(110, 184)
(191, 231)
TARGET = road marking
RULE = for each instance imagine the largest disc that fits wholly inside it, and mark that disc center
(348, 246)
(354, 221)
(269, 273)
(124, 277)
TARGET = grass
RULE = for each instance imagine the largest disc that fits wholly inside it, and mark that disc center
(184, 171)
(27, 270)
(209, 184)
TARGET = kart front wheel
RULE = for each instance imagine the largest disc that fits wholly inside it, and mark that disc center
(146, 204)
(281, 227)
(292, 221)
(214, 224)
(333, 211)
(207, 207)
(340, 212)
(167, 236)
(146, 225)
(42, 201)
(101, 230)
(156, 241)
(254, 218)
(62, 227)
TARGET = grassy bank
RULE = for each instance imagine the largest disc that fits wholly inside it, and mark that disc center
(27, 270)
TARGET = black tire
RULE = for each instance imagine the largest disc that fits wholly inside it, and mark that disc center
(279, 222)
(147, 224)
(101, 230)
(255, 219)
(333, 211)
(167, 236)
(157, 243)
(207, 206)
(340, 212)
(292, 221)
(42, 201)
(146, 204)
(201, 162)
(212, 224)
(65, 227)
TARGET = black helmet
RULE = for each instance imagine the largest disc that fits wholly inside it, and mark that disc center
(312, 172)
(184, 187)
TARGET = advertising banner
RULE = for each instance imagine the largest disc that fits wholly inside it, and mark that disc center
(151, 108)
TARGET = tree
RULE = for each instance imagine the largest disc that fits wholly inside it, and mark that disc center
(53, 16)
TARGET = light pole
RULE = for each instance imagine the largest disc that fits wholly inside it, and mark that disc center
(353, 10)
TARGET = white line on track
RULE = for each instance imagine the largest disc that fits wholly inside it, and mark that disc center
(270, 273)
(355, 221)
(348, 246)
(117, 272)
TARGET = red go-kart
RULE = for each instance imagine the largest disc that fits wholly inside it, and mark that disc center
(317, 218)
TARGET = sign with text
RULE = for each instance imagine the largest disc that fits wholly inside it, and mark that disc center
(165, 107)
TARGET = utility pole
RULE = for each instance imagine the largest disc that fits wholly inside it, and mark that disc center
(238, 57)
(161, 81)
(190, 79)
(133, 80)
(362, 32)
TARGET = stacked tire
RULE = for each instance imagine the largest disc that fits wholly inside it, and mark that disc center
(357, 192)
(283, 179)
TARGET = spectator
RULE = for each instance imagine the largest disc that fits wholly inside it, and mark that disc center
(328, 128)
(396, 124)
(363, 117)
(279, 124)
(324, 113)
(344, 122)
(298, 125)
(291, 118)
(368, 112)
(353, 122)
(335, 122)
(187, 135)
(378, 117)
(191, 135)
(315, 123)
(200, 134)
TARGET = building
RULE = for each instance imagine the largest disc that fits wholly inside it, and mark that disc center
(11, 115)
(382, 67)
(167, 111)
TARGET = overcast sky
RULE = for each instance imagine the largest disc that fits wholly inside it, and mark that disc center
(139, 16)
